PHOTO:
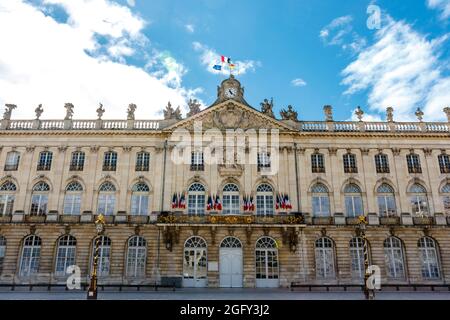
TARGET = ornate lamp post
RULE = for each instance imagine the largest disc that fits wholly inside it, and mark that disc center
(368, 292)
(100, 227)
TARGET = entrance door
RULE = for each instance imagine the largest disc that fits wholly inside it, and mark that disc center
(195, 263)
(266, 263)
(230, 263)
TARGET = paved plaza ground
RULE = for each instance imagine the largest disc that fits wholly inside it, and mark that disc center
(219, 294)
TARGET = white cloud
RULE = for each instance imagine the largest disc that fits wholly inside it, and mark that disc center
(298, 82)
(339, 32)
(401, 69)
(441, 5)
(190, 28)
(209, 57)
(50, 62)
(131, 3)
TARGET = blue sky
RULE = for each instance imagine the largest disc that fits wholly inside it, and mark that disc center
(149, 52)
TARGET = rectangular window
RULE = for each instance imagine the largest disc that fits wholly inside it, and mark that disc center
(110, 161)
(6, 204)
(444, 163)
(12, 161)
(142, 161)
(139, 204)
(39, 204)
(382, 163)
(386, 206)
(77, 161)
(197, 161)
(45, 161)
(349, 163)
(321, 206)
(353, 206)
(317, 163)
(263, 160)
(72, 203)
(413, 162)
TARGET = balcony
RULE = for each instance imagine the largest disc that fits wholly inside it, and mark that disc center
(11, 167)
(197, 167)
(142, 168)
(414, 169)
(383, 170)
(350, 170)
(109, 167)
(76, 167)
(443, 169)
(318, 169)
(43, 167)
(390, 220)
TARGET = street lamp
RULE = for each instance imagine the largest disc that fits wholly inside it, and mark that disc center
(99, 227)
(368, 292)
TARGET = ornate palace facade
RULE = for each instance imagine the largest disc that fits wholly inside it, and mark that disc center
(287, 213)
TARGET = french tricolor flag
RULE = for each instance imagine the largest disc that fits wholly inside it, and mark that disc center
(225, 59)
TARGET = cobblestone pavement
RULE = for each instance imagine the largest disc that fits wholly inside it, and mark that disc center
(219, 294)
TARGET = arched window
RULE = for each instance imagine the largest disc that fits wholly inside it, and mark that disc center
(357, 257)
(445, 190)
(65, 254)
(39, 198)
(320, 200)
(31, 255)
(231, 242)
(104, 255)
(12, 161)
(195, 260)
(231, 199)
(72, 198)
(196, 199)
(325, 268)
(266, 259)
(2, 251)
(264, 200)
(139, 199)
(353, 201)
(7, 195)
(419, 200)
(106, 199)
(429, 258)
(386, 201)
(395, 264)
(136, 257)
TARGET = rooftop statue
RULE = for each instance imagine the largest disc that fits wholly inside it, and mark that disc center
(39, 111)
(194, 107)
(100, 111)
(130, 111)
(267, 107)
(170, 113)
(289, 114)
(8, 110)
(69, 111)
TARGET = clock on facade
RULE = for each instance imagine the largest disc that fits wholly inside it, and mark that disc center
(230, 92)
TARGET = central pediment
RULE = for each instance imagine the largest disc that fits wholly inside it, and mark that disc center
(231, 114)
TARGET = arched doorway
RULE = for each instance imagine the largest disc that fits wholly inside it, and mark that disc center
(195, 263)
(230, 263)
(266, 263)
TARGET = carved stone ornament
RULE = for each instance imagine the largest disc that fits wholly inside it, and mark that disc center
(30, 148)
(100, 111)
(62, 148)
(396, 151)
(419, 114)
(170, 113)
(94, 148)
(332, 151)
(447, 113)
(130, 111)
(69, 111)
(328, 111)
(267, 107)
(194, 107)
(39, 110)
(390, 114)
(289, 114)
(359, 113)
(8, 111)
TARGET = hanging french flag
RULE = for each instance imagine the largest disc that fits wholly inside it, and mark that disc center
(244, 199)
(252, 204)
(182, 201)
(277, 202)
(218, 205)
(209, 204)
(174, 201)
(288, 202)
(224, 59)
(283, 202)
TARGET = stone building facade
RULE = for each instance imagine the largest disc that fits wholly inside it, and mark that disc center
(288, 212)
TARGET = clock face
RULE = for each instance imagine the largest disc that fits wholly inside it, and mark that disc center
(230, 92)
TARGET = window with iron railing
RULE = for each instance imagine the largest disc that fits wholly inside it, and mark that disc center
(12, 161)
(263, 161)
(110, 161)
(142, 161)
(381, 163)
(317, 163)
(45, 161)
(197, 163)
(350, 163)
(413, 162)
(77, 161)
(444, 163)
